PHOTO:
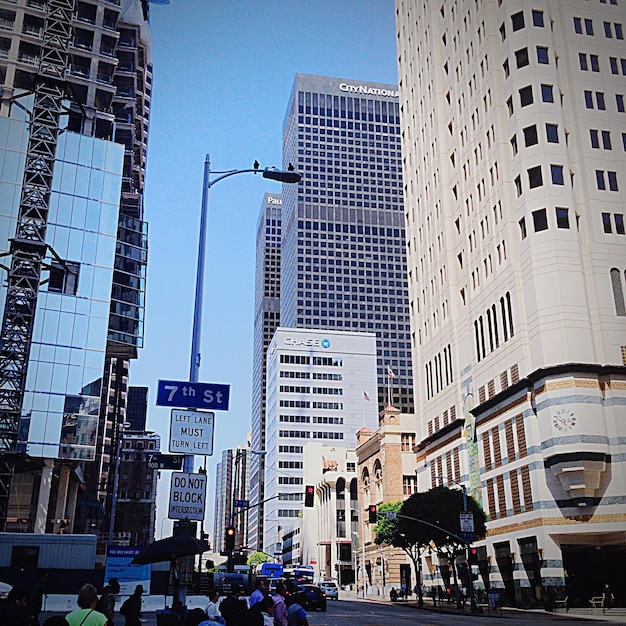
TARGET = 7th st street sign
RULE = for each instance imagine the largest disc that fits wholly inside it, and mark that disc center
(185, 395)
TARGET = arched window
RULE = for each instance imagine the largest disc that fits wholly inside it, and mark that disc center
(618, 292)
(341, 489)
(508, 306)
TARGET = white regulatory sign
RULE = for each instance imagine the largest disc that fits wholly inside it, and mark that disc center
(467, 522)
(191, 432)
(187, 496)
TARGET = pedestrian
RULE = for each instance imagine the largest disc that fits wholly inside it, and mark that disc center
(259, 592)
(195, 617)
(131, 609)
(35, 596)
(211, 609)
(87, 615)
(233, 608)
(106, 604)
(280, 607)
(296, 615)
(607, 596)
(15, 611)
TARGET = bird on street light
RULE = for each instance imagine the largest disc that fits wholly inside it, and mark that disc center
(256, 165)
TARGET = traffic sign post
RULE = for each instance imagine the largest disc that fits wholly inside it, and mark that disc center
(180, 394)
(191, 432)
(165, 461)
(187, 496)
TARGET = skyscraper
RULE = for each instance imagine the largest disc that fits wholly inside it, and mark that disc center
(318, 384)
(343, 248)
(266, 321)
(513, 138)
(72, 222)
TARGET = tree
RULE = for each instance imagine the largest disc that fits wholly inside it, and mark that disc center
(258, 557)
(441, 508)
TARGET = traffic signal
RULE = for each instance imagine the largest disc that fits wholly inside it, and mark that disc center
(473, 556)
(229, 539)
(372, 514)
(309, 496)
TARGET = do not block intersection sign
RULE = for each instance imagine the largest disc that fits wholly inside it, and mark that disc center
(187, 496)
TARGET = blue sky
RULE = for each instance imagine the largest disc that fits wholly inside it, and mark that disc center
(223, 74)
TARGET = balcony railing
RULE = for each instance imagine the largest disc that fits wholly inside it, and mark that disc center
(83, 44)
(31, 59)
(6, 24)
(79, 70)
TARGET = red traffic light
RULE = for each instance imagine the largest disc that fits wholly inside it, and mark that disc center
(372, 514)
(309, 496)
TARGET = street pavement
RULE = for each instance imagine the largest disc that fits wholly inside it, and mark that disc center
(350, 610)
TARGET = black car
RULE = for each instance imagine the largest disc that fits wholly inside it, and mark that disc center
(315, 597)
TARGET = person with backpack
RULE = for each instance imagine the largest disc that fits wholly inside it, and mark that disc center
(131, 608)
(296, 615)
(106, 604)
(87, 615)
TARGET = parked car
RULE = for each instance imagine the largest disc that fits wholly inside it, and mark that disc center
(315, 597)
(330, 589)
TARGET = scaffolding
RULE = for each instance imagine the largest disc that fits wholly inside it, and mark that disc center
(28, 247)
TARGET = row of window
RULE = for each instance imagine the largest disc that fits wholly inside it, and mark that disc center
(599, 102)
(531, 137)
(290, 480)
(499, 327)
(439, 372)
(611, 29)
(540, 220)
(291, 449)
(307, 419)
(290, 464)
(618, 222)
(535, 177)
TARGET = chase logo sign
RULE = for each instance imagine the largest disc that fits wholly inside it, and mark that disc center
(303, 342)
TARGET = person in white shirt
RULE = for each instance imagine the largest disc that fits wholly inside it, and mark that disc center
(211, 608)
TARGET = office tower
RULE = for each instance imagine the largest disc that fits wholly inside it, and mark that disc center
(318, 389)
(232, 482)
(73, 310)
(344, 257)
(266, 321)
(512, 125)
(137, 408)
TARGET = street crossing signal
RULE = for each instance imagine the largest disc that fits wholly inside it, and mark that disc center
(372, 514)
(229, 539)
(309, 496)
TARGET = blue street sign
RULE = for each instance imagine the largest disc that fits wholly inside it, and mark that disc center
(193, 395)
(241, 504)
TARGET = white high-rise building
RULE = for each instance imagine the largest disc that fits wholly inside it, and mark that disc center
(514, 140)
(319, 385)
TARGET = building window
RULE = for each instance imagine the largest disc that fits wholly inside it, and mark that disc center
(526, 96)
(518, 185)
(64, 277)
(540, 220)
(613, 65)
(607, 30)
(595, 64)
(538, 18)
(589, 99)
(509, 106)
(517, 20)
(588, 27)
(552, 133)
(612, 178)
(578, 26)
(618, 292)
(600, 101)
(606, 223)
(600, 182)
(522, 228)
(606, 140)
(556, 171)
(542, 55)
(521, 58)
(619, 101)
(562, 217)
(593, 135)
(514, 144)
(547, 93)
(530, 136)
(582, 61)
(535, 177)
(407, 442)
(409, 485)
(619, 223)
